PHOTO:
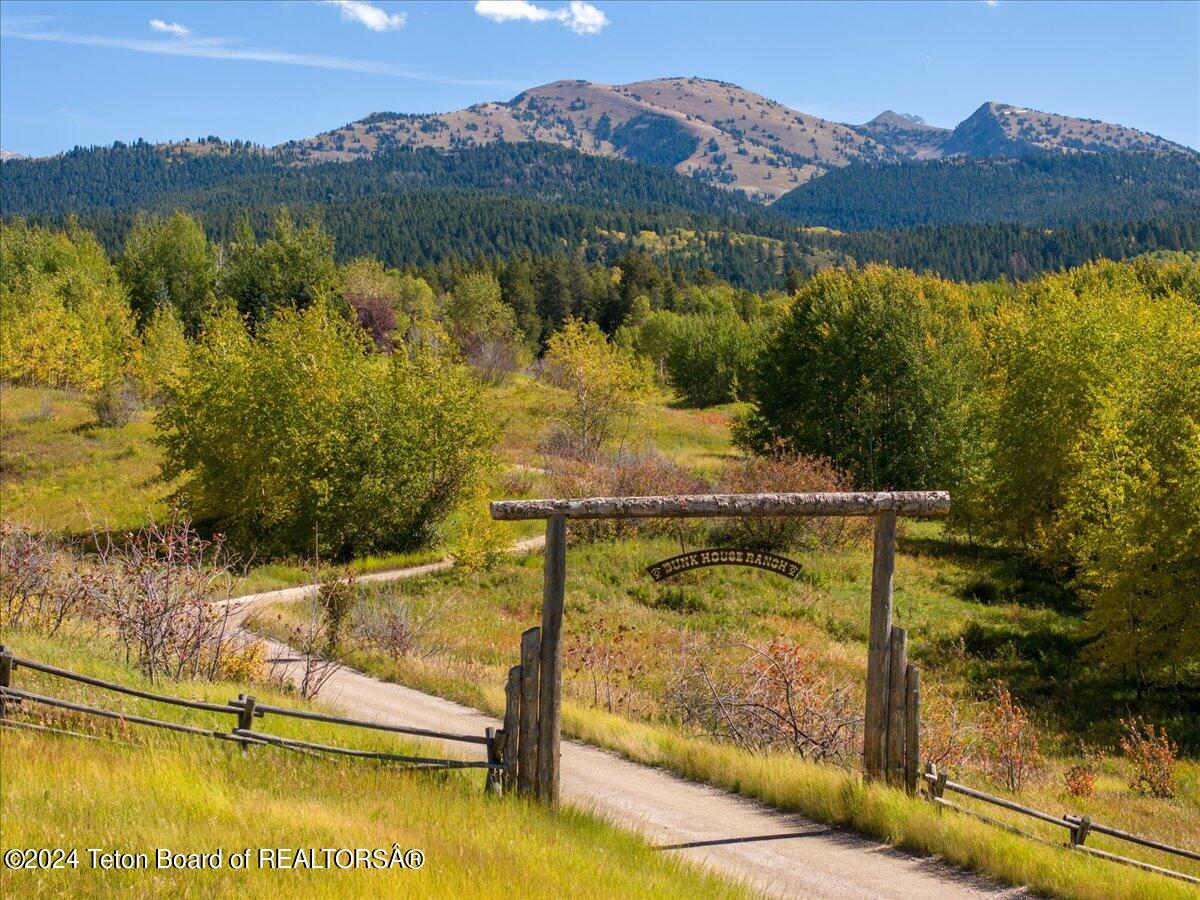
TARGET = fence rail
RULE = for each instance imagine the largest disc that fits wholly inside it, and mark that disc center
(1078, 827)
(246, 710)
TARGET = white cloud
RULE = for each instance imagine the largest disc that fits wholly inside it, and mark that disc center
(991, 2)
(366, 14)
(583, 18)
(170, 28)
(220, 48)
(580, 17)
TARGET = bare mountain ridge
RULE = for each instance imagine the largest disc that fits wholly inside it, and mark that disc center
(710, 130)
(1002, 130)
(905, 135)
(719, 132)
(998, 129)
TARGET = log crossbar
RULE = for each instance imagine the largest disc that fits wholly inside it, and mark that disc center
(245, 708)
(857, 503)
(1079, 826)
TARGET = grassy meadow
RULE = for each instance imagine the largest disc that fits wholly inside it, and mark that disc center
(61, 472)
(475, 621)
(135, 789)
(973, 615)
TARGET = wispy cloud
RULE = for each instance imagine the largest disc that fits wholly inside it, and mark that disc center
(371, 16)
(69, 114)
(170, 28)
(232, 49)
(991, 2)
(580, 17)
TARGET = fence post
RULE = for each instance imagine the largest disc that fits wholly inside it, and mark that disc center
(550, 696)
(883, 566)
(512, 712)
(491, 783)
(246, 717)
(1079, 831)
(912, 737)
(527, 749)
(897, 673)
(6, 667)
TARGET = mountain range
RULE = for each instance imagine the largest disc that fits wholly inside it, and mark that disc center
(720, 133)
(702, 173)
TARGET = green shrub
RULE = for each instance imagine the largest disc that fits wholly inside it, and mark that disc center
(64, 317)
(876, 370)
(302, 437)
(1093, 415)
(169, 261)
(292, 269)
(709, 358)
(484, 328)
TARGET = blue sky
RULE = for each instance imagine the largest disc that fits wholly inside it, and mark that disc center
(95, 72)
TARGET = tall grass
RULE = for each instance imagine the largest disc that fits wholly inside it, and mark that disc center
(191, 796)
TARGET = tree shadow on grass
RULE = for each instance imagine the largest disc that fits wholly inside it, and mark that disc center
(999, 575)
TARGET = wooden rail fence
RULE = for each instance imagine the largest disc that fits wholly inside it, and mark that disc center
(1078, 827)
(246, 709)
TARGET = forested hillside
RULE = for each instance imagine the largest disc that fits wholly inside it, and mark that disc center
(1038, 189)
(145, 175)
(972, 252)
(422, 207)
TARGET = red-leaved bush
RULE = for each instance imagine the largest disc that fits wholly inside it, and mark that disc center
(1011, 748)
(1152, 756)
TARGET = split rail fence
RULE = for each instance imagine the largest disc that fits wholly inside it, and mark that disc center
(1079, 827)
(245, 709)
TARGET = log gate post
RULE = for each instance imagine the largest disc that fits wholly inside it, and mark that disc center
(882, 570)
(550, 701)
(512, 728)
(527, 727)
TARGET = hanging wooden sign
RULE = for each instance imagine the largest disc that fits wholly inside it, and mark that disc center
(723, 556)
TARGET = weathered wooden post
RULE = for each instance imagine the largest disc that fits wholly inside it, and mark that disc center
(6, 667)
(527, 749)
(491, 783)
(884, 564)
(550, 699)
(912, 738)
(897, 675)
(512, 725)
(1079, 831)
(245, 717)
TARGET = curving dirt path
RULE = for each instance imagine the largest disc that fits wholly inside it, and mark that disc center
(777, 854)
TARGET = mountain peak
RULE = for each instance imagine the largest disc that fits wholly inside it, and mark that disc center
(892, 119)
(1002, 129)
(706, 129)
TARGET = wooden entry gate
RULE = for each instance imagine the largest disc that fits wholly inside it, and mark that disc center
(892, 708)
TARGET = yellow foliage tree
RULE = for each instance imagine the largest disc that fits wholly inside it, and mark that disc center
(64, 316)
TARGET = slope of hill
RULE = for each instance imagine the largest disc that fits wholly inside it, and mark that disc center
(720, 133)
(710, 130)
(1040, 188)
(906, 135)
(143, 175)
(997, 129)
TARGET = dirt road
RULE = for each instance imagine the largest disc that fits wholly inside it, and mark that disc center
(778, 854)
